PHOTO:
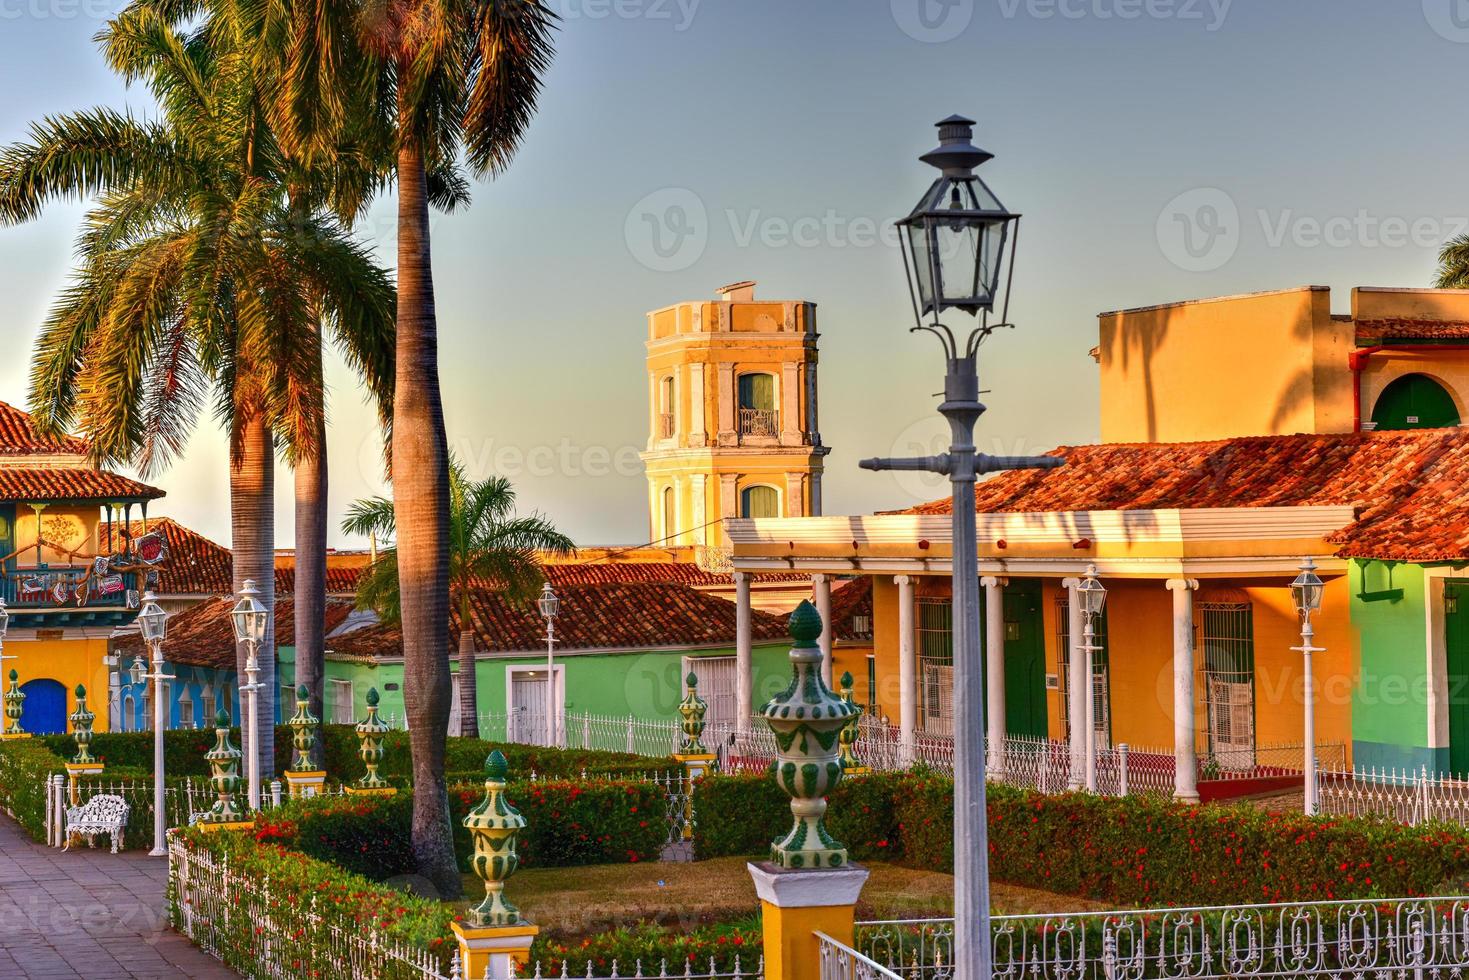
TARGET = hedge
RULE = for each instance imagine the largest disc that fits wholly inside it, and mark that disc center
(652, 948)
(567, 824)
(1132, 851)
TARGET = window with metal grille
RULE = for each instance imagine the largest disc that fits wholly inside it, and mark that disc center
(936, 662)
(342, 709)
(1101, 676)
(871, 686)
(718, 680)
(1227, 680)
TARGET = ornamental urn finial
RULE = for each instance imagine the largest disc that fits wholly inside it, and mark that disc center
(693, 708)
(496, 825)
(224, 766)
(81, 726)
(370, 733)
(807, 719)
(850, 761)
(14, 706)
(303, 732)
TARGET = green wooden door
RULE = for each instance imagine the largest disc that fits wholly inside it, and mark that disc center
(1456, 646)
(1025, 660)
(1415, 401)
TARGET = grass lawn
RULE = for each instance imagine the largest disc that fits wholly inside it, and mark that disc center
(587, 900)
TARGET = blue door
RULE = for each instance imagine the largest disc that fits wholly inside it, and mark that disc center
(44, 711)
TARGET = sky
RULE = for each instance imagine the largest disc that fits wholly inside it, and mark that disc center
(1159, 150)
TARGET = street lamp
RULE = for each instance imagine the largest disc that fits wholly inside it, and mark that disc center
(550, 606)
(250, 620)
(1307, 590)
(153, 624)
(1093, 596)
(954, 246)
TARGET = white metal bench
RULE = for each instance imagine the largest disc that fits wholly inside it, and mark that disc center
(103, 814)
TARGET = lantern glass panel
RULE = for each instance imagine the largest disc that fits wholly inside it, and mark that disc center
(152, 622)
(1307, 590)
(549, 603)
(956, 241)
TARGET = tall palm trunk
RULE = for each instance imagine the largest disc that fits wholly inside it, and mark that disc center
(468, 674)
(421, 509)
(252, 521)
(310, 589)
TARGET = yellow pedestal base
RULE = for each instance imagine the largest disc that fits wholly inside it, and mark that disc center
(84, 768)
(493, 948)
(305, 784)
(210, 828)
(795, 905)
(7, 736)
(359, 791)
(857, 771)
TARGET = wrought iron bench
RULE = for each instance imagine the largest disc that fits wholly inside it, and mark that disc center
(103, 814)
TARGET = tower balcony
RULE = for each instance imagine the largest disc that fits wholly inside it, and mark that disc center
(665, 425)
(759, 422)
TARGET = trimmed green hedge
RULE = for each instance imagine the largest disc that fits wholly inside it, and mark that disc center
(1134, 851)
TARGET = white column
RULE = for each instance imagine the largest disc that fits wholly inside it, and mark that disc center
(1076, 684)
(994, 656)
(744, 665)
(1185, 777)
(821, 585)
(907, 670)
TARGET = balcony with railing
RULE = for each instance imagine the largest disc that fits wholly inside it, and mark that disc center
(665, 425)
(759, 423)
(62, 594)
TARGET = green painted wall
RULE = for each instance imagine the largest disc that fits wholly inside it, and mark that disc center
(1389, 701)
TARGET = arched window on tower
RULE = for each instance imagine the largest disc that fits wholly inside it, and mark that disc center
(665, 408)
(1415, 401)
(759, 501)
(670, 514)
(757, 405)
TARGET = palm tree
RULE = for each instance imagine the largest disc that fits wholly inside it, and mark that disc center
(433, 79)
(489, 547)
(1453, 264)
(199, 276)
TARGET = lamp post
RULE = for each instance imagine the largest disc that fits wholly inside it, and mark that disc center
(250, 620)
(1093, 601)
(550, 605)
(153, 624)
(1307, 590)
(954, 246)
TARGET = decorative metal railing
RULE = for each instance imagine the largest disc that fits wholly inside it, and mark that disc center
(68, 586)
(665, 425)
(841, 962)
(1417, 938)
(1402, 795)
(759, 422)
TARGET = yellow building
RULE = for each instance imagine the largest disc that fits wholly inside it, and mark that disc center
(1277, 363)
(66, 591)
(732, 422)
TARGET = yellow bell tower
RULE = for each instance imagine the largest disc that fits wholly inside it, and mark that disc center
(732, 424)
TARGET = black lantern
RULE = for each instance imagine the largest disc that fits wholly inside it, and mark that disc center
(955, 240)
(1307, 590)
(249, 616)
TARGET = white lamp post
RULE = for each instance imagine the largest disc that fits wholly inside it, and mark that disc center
(250, 620)
(550, 605)
(153, 624)
(1307, 590)
(1093, 601)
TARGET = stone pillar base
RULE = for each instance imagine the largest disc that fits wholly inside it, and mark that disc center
(361, 791)
(795, 905)
(493, 948)
(305, 784)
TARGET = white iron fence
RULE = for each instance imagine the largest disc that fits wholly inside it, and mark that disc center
(1401, 795)
(1381, 939)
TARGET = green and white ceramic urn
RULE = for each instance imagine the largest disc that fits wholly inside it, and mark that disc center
(495, 825)
(807, 719)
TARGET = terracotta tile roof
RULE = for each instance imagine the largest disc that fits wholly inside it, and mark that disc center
(1411, 489)
(17, 439)
(607, 616)
(680, 572)
(1397, 328)
(851, 608)
(198, 566)
(50, 484)
(202, 635)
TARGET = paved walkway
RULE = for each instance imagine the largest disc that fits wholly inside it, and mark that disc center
(89, 915)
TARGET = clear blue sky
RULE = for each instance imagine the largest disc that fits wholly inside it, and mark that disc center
(1332, 127)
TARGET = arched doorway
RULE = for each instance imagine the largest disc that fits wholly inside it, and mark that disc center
(1415, 401)
(44, 711)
